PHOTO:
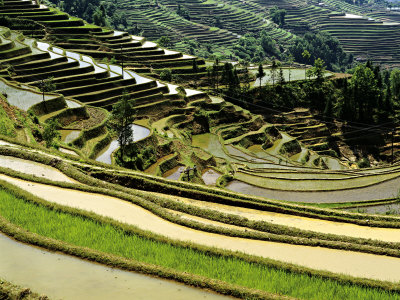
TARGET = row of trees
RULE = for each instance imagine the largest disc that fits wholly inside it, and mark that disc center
(101, 13)
(370, 96)
(321, 45)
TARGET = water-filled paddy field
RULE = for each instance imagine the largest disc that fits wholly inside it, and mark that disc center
(61, 276)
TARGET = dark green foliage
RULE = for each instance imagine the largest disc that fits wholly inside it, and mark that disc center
(48, 85)
(183, 12)
(123, 115)
(99, 16)
(195, 67)
(51, 133)
(321, 45)
(256, 48)
(164, 41)
(138, 157)
(277, 15)
(260, 74)
(363, 163)
(166, 75)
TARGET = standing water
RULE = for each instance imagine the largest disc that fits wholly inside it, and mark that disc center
(139, 133)
(61, 276)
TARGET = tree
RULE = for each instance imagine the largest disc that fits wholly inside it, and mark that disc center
(51, 133)
(277, 15)
(290, 61)
(365, 92)
(123, 115)
(166, 74)
(274, 69)
(47, 86)
(183, 12)
(99, 16)
(395, 84)
(318, 70)
(195, 66)
(306, 55)
(260, 74)
(164, 41)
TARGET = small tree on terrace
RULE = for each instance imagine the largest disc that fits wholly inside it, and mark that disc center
(51, 133)
(306, 55)
(260, 74)
(274, 69)
(123, 115)
(318, 70)
(164, 41)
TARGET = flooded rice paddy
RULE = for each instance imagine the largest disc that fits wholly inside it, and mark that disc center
(68, 136)
(174, 173)
(338, 261)
(23, 98)
(61, 276)
(33, 168)
(304, 223)
(210, 176)
(383, 190)
(139, 132)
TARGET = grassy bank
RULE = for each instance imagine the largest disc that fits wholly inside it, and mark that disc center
(10, 291)
(138, 181)
(85, 232)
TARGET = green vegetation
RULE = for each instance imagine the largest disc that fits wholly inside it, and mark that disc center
(106, 238)
(50, 133)
(123, 115)
(321, 45)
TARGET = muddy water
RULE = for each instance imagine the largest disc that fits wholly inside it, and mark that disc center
(393, 209)
(64, 150)
(338, 228)
(152, 169)
(69, 135)
(33, 168)
(347, 262)
(139, 132)
(65, 277)
(384, 190)
(174, 173)
(210, 176)
(211, 143)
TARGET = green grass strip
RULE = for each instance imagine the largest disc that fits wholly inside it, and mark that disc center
(106, 238)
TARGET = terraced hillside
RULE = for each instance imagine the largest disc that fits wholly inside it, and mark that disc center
(213, 24)
(218, 200)
(76, 35)
(365, 37)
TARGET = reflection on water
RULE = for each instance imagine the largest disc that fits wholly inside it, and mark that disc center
(383, 190)
(210, 176)
(139, 132)
(68, 136)
(33, 168)
(392, 209)
(64, 277)
(174, 173)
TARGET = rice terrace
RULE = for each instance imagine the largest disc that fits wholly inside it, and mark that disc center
(199, 149)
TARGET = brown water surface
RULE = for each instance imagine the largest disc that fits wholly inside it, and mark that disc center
(338, 261)
(383, 190)
(210, 176)
(338, 228)
(61, 276)
(33, 168)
